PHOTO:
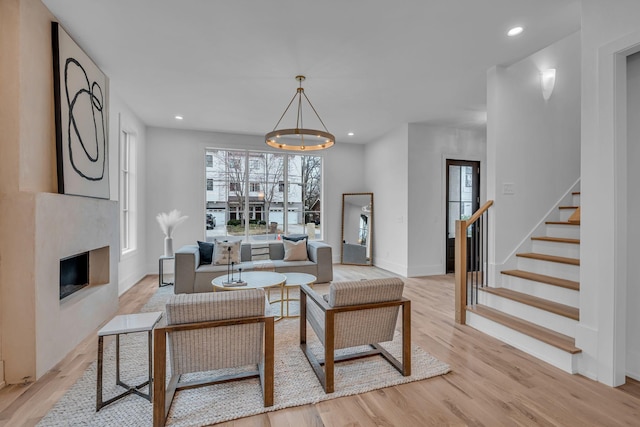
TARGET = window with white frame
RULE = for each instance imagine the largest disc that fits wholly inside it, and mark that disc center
(127, 192)
(260, 195)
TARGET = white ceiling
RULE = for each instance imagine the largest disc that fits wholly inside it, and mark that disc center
(371, 65)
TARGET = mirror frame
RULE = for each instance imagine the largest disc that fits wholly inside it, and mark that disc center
(369, 231)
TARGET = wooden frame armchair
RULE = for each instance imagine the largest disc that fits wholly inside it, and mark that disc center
(210, 331)
(353, 314)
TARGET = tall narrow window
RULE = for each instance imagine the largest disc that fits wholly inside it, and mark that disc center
(127, 192)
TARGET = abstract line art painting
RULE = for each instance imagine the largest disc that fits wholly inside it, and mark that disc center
(81, 108)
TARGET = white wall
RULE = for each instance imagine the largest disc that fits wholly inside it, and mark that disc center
(386, 175)
(606, 29)
(132, 266)
(429, 148)
(633, 200)
(531, 143)
(175, 179)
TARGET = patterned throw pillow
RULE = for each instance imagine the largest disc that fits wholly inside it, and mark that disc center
(295, 251)
(259, 251)
(226, 252)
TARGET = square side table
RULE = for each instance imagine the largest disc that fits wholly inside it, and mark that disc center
(161, 261)
(126, 324)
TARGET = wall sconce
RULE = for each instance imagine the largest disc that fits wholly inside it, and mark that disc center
(548, 80)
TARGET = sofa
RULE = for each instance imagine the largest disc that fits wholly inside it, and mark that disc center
(192, 276)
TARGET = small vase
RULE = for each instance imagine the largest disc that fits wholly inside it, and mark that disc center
(168, 246)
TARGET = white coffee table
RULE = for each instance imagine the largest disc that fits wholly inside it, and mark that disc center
(126, 324)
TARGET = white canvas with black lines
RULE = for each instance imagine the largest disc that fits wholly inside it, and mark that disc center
(81, 102)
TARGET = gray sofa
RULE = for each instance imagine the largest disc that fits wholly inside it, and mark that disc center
(191, 276)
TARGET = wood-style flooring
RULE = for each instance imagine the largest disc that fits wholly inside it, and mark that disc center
(491, 383)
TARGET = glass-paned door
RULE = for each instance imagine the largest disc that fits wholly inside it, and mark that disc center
(463, 199)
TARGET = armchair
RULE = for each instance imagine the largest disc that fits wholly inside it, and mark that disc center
(353, 314)
(210, 331)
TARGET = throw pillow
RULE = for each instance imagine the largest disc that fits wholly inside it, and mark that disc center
(295, 251)
(259, 251)
(295, 237)
(206, 252)
(225, 252)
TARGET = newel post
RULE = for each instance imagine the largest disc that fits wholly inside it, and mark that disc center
(461, 272)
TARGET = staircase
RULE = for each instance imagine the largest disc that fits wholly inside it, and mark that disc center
(537, 307)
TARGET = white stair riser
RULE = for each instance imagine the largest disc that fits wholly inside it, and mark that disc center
(552, 321)
(565, 214)
(569, 250)
(563, 230)
(542, 290)
(554, 269)
(576, 199)
(554, 356)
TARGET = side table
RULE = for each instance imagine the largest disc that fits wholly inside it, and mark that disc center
(294, 280)
(126, 324)
(161, 261)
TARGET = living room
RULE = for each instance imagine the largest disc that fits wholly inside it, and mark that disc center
(409, 195)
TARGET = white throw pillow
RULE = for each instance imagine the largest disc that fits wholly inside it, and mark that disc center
(225, 252)
(295, 251)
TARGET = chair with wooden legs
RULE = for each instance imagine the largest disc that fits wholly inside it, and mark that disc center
(199, 329)
(354, 314)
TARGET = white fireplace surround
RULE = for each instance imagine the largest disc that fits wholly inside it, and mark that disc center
(44, 328)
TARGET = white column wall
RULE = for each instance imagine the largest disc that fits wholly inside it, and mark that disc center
(132, 266)
(386, 175)
(429, 148)
(606, 28)
(531, 143)
(175, 179)
(633, 232)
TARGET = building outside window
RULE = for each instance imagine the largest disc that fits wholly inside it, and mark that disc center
(261, 195)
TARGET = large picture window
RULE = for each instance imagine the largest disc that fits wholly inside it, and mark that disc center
(262, 195)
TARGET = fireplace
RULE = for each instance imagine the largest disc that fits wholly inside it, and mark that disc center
(74, 274)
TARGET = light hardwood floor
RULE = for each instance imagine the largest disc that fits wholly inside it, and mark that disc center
(491, 383)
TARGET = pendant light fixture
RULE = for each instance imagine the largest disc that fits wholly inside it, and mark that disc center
(299, 138)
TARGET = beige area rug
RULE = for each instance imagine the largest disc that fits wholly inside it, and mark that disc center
(295, 383)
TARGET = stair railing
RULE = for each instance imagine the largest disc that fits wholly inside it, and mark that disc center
(471, 255)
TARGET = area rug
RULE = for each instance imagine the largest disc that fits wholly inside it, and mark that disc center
(295, 383)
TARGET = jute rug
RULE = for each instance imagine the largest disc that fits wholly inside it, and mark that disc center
(295, 383)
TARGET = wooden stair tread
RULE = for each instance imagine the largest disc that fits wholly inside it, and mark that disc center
(533, 301)
(550, 258)
(575, 193)
(557, 239)
(561, 223)
(563, 342)
(549, 280)
(567, 207)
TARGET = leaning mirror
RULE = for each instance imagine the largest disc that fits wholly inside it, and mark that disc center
(357, 226)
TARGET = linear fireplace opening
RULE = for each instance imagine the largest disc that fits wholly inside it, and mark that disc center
(74, 274)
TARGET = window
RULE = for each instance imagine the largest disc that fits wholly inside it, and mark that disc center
(209, 160)
(259, 195)
(127, 192)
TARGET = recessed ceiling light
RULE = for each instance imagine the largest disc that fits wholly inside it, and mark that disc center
(515, 31)
(179, 117)
(351, 134)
